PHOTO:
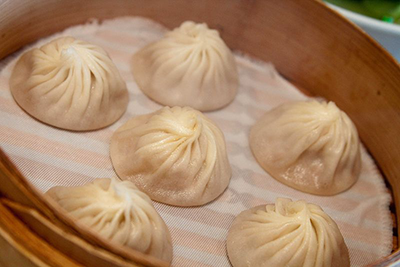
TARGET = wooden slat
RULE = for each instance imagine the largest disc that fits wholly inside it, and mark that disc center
(26, 248)
(76, 248)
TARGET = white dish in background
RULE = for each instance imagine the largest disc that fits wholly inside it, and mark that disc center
(388, 35)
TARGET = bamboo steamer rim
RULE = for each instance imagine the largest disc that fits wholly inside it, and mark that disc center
(360, 76)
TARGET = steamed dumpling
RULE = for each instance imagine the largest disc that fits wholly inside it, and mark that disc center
(190, 66)
(176, 155)
(311, 146)
(292, 234)
(69, 84)
(117, 211)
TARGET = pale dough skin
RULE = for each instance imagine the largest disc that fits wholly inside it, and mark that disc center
(190, 66)
(290, 234)
(117, 211)
(69, 84)
(176, 155)
(310, 146)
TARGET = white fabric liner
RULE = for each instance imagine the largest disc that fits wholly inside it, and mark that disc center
(48, 156)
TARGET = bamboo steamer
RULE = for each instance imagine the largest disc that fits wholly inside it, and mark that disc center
(312, 46)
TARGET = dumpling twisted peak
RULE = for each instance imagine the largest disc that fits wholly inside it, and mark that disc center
(311, 146)
(117, 211)
(168, 135)
(196, 34)
(176, 155)
(178, 121)
(190, 66)
(289, 233)
(70, 84)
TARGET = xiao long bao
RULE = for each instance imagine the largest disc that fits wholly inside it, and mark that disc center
(310, 146)
(190, 66)
(175, 155)
(69, 84)
(117, 211)
(289, 233)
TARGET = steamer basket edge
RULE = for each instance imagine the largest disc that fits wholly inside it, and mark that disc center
(371, 97)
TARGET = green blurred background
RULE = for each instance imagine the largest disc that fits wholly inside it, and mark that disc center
(385, 10)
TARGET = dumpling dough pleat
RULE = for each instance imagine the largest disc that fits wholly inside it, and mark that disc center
(311, 146)
(117, 211)
(69, 84)
(176, 155)
(289, 233)
(190, 66)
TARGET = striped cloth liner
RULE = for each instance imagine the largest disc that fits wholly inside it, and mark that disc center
(48, 156)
